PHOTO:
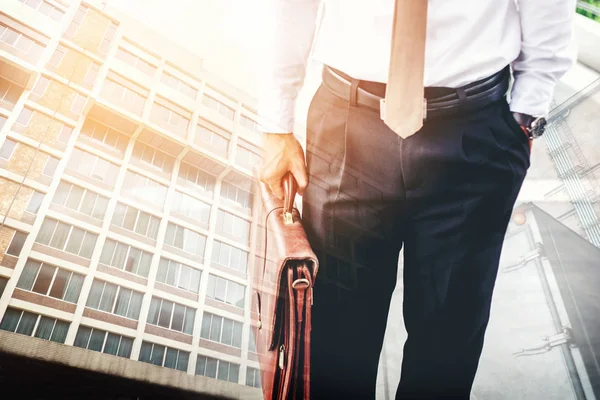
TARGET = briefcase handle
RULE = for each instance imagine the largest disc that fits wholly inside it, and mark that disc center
(290, 187)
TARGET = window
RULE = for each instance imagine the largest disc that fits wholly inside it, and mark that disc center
(246, 157)
(179, 275)
(153, 157)
(30, 324)
(124, 96)
(216, 105)
(65, 134)
(16, 244)
(139, 186)
(164, 356)
(78, 104)
(248, 123)
(198, 177)
(170, 120)
(20, 42)
(45, 8)
(25, 117)
(125, 257)
(91, 74)
(218, 143)
(237, 195)
(9, 92)
(222, 330)
(132, 219)
(108, 38)
(226, 291)
(253, 377)
(67, 238)
(219, 369)
(104, 342)
(3, 282)
(93, 166)
(135, 62)
(76, 22)
(7, 149)
(50, 166)
(171, 315)
(58, 55)
(185, 239)
(35, 201)
(105, 136)
(81, 200)
(114, 299)
(229, 256)
(49, 280)
(178, 85)
(191, 207)
(41, 86)
(2, 121)
(233, 226)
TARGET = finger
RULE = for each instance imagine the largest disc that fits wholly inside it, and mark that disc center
(301, 176)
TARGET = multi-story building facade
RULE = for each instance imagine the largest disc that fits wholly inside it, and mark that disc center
(126, 201)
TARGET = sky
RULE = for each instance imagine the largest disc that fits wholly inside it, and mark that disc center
(223, 32)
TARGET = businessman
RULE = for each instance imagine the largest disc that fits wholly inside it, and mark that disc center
(444, 191)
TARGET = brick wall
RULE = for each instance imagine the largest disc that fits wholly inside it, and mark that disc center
(92, 30)
(39, 126)
(21, 158)
(8, 189)
(58, 97)
(6, 235)
(74, 67)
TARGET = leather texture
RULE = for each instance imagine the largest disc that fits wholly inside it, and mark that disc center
(282, 299)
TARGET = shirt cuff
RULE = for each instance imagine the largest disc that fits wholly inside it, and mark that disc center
(276, 115)
(531, 94)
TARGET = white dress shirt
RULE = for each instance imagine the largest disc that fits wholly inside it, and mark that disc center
(467, 40)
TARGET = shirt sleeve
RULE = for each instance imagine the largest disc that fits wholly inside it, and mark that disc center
(286, 42)
(546, 53)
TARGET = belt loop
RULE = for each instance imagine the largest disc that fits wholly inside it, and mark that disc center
(462, 97)
(353, 91)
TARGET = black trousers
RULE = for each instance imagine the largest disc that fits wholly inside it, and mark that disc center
(446, 195)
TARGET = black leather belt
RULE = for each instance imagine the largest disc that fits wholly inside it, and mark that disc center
(441, 101)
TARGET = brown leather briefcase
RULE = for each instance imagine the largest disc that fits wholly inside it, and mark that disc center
(282, 299)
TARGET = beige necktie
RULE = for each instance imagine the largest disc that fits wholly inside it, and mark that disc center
(404, 107)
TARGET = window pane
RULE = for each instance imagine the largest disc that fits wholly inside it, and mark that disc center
(153, 312)
(75, 198)
(195, 281)
(145, 352)
(125, 347)
(120, 254)
(182, 361)
(28, 275)
(42, 283)
(60, 236)
(74, 288)
(223, 372)
(237, 335)
(133, 260)
(123, 301)
(89, 200)
(144, 265)
(134, 305)
(170, 278)
(142, 223)
(16, 245)
(164, 319)
(35, 202)
(178, 314)
(60, 284)
(171, 358)
(153, 227)
(107, 252)
(227, 331)
(44, 328)
(188, 325)
(108, 297)
(75, 241)
(220, 289)
(211, 367)
(10, 319)
(95, 293)
(130, 217)
(158, 353)
(215, 328)
(97, 340)
(200, 365)
(163, 267)
(184, 277)
(87, 247)
(112, 344)
(59, 334)
(100, 207)
(27, 323)
(45, 234)
(205, 329)
(83, 336)
(234, 373)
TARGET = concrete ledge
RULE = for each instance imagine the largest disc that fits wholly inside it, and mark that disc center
(43, 350)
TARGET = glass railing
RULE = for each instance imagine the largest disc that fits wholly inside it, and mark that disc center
(589, 8)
